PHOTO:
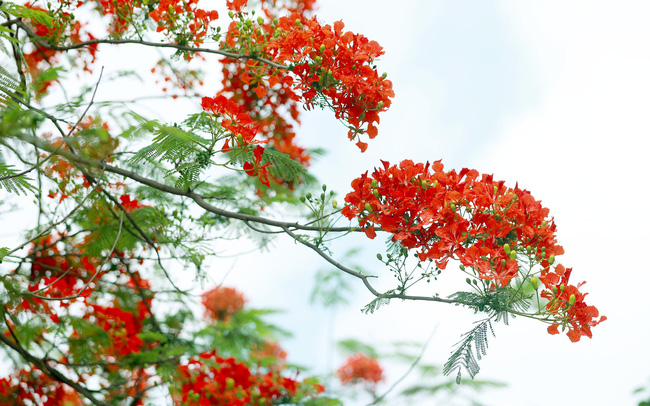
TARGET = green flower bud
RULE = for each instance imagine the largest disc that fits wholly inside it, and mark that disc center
(544, 223)
(248, 22)
(260, 20)
(308, 195)
(375, 192)
(513, 255)
(533, 281)
(506, 248)
(453, 207)
(240, 139)
(302, 199)
(551, 259)
(384, 75)
(554, 289)
(462, 267)
(572, 300)
(368, 207)
(231, 14)
(503, 262)
(380, 105)
(334, 203)
(298, 22)
(496, 189)
(322, 48)
(374, 183)
(275, 21)
(469, 282)
(324, 188)
(562, 287)
(424, 183)
(379, 257)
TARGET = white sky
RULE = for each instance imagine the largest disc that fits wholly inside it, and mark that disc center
(553, 95)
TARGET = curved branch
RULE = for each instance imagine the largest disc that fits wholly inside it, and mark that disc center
(198, 199)
(38, 41)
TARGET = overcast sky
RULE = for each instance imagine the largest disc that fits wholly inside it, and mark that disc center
(552, 95)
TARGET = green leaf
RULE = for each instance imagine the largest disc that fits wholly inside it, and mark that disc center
(11, 181)
(17, 10)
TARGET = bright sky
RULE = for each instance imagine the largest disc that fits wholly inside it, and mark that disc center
(553, 95)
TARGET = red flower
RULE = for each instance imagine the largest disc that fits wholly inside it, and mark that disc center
(360, 368)
(221, 303)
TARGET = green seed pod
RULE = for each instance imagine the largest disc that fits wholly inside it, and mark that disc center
(513, 255)
(534, 282)
(506, 248)
(572, 300)
(551, 259)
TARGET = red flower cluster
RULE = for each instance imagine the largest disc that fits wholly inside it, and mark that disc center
(174, 15)
(448, 215)
(122, 327)
(338, 65)
(213, 380)
(31, 386)
(243, 129)
(566, 304)
(221, 303)
(360, 368)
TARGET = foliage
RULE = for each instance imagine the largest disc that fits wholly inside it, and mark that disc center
(93, 310)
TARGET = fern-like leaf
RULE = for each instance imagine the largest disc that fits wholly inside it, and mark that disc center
(470, 350)
(12, 181)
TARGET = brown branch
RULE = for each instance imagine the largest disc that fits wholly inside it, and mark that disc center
(47, 369)
(38, 41)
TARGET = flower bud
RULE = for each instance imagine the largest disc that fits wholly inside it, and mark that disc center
(513, 255)
(469, 282)
(260, 20)
(368, 207)
(496, 189)
(384, 75)
(375, 192)
(379, 257)
(240, 139)
(374, 183)
(462, 267)
(302, 199)
(322, 48)
(544, 223)
(554, 288)
(503, 262)
(551, 259)
(424, 183)
(572, 300)
(380, 105)
(562, 287)
(334, 203)
(324, 188)
(298, 22)
(506, 248)
(248, 22)
(308, 196)
(533, 281)
(453, 207)
(322, 196)
(231, 14)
